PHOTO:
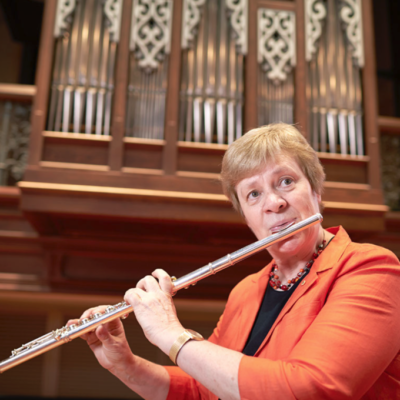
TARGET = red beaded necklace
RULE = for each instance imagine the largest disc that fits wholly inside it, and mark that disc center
(274, 281)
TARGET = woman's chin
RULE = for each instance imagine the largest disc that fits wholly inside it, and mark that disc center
(287, 248)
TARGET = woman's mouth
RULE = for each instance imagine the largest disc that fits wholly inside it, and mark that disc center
(283, 226)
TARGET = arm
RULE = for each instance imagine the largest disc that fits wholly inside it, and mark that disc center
(150, 380)
(112, 350)
(155, 312)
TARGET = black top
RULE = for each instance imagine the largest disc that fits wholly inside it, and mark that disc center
(271, 306)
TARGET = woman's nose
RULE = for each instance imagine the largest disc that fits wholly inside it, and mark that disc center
(274, 203)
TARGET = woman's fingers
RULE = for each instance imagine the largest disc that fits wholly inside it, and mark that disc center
(134, 296)
(148, 284)
(91, 337)
(159, 280)
(164, 280)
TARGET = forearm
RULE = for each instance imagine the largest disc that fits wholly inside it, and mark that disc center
(149, 380)
(213, 366)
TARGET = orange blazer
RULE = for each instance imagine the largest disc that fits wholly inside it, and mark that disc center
(338, 336)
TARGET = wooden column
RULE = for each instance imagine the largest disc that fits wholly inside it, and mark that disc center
(251, 71)
(370, 98)
(171, 123)
(121, 84)
(300, 75)
(42, 82)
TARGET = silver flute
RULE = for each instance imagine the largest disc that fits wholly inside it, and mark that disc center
(85, 325)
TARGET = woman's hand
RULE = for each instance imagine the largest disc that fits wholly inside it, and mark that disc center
(108, 342)
(154, 309)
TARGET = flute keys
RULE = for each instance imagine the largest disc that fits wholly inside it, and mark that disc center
(97, 315)
(84, 321)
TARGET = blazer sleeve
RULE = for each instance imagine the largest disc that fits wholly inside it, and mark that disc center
(349, 344)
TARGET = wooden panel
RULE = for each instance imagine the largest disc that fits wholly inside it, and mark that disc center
(16, 329)
(22, 264)
(115, 179)
(345, 171)
(143, 154)
(76, 373)
(355, 220)
(346, 192)
(78, 151)
(15, 224)
(81, 376)
(208, 158)
(182, 249)
(200, 158)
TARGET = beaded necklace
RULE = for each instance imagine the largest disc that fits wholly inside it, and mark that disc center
(274, 281)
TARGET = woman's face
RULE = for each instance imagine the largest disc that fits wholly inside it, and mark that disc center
(274, 198)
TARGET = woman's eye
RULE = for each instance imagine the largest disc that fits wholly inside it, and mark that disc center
(287, 181)
(254, 194)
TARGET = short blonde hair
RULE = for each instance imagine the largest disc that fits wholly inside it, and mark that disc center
(249, 154)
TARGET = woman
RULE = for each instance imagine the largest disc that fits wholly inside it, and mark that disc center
(321, 321)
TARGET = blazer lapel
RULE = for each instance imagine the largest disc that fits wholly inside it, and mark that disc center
(325, 261)
(300, 290)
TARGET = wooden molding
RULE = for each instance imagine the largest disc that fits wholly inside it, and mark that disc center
(355, 206)
(151, 142)
(389, 125)
(345, 185)
(161, 194)
(77, 136)
(115, 191)
(64, 165)
(343, 157)
(277, 5)
(207, 146)
(145, 171)
(17, 235)
(17, 92)
(199, 175)
(10, 192)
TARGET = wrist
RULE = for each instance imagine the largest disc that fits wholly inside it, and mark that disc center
(186, 336)
(125, 367)
(170, 339)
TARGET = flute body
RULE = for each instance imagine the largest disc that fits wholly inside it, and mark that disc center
(68, 333)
